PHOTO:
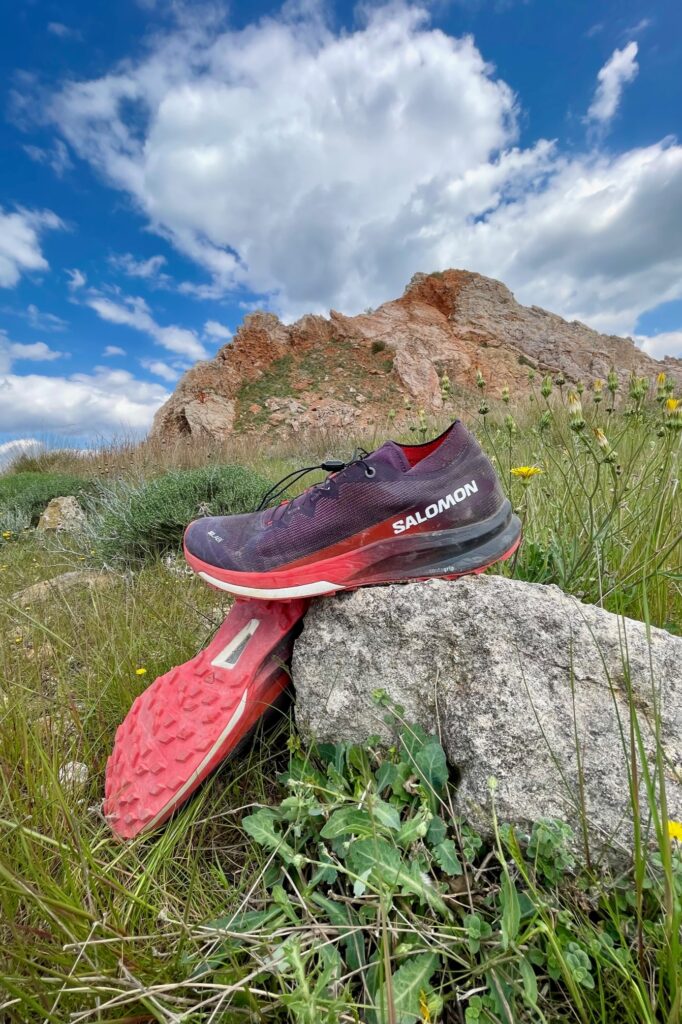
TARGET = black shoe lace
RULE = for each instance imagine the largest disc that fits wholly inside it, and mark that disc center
(329, 466)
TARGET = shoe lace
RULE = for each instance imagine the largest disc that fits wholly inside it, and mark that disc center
(330, 466)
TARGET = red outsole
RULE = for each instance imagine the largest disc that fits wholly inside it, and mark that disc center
(172, 737)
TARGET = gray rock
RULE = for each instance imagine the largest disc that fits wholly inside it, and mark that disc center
(93, 579)
(62, 514)
(517, 678)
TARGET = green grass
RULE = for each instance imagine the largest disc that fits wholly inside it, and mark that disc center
(213, 921)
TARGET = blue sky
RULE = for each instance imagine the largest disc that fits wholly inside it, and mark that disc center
(166, 167)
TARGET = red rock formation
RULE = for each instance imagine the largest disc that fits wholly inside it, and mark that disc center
(351, 371)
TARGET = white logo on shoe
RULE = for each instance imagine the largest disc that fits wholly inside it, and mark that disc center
(442, 505)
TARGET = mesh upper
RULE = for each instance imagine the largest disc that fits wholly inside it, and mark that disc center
(350, 502)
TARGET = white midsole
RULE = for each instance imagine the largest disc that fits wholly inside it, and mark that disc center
(314, 589)
(177, 797)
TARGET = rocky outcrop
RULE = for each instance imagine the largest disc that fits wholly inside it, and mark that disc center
(522, 682)
(62, 515)
(354, 371)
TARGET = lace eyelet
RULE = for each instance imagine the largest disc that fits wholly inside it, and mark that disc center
(370, 471)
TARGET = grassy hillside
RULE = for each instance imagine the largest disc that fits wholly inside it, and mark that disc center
(240, 910)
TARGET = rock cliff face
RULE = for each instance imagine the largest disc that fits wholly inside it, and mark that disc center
(351, 371)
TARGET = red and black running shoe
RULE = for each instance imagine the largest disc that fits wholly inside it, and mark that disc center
(400, 513)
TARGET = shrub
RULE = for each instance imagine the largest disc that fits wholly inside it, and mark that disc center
(378, 346)
(137, 520)
(23, 496)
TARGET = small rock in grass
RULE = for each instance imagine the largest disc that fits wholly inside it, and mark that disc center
(74, 775)
(62, 515)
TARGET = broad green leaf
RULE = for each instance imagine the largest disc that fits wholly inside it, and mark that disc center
(446, 857)
(387, 775)
(511, 911)
(414, 828)
(437, 831)
(432, 764)
(347, 821)
(387, 868)
(385, 814)
(261, 827)
(408, 983)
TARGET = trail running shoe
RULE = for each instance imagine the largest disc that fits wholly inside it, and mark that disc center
(197, 715)
(400, 513)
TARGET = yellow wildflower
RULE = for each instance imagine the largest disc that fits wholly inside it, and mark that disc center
(424, 1007)
(598, 385)
(140, 671)
(675, 830)
(525, 472)
(7, 534)
(671, 406)
(660, 380)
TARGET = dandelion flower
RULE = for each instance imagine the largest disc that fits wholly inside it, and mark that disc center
(525, 473)
(675, 830)
(140, 671)
(7, 534)
(661, 379)
(671, 406)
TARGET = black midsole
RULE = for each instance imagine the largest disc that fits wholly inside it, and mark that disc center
(444, 552)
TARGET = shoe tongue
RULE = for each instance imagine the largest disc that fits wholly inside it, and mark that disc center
(390, 454)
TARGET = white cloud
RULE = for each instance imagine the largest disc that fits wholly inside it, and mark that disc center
(44, 321)
(57, 157)
(36, 352)
(620, 69)
(324, 169)
(134, 312)
(11, 450)
(113, 350)
(160, 369)
(667, 343)
(62, 31)
(148, 270)
(77, 279)
(104, 402)
(214, 329)
(20, 242)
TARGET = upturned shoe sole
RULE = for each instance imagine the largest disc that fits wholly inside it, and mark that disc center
(197, 715)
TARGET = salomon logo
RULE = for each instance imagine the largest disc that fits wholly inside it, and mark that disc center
(442, 505)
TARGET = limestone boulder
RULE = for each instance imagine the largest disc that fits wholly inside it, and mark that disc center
(522, 682)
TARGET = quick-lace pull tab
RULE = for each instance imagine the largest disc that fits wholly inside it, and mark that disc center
(333, 465)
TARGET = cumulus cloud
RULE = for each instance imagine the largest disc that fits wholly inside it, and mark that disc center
(667, 343)
(36, 352)
(214, 329)
(134, 312)
(113, 350)
(103, 402)
(620, 69)
(160, 369)
(77, 279)
(323, 169)
(20, 242)
(148, 270)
